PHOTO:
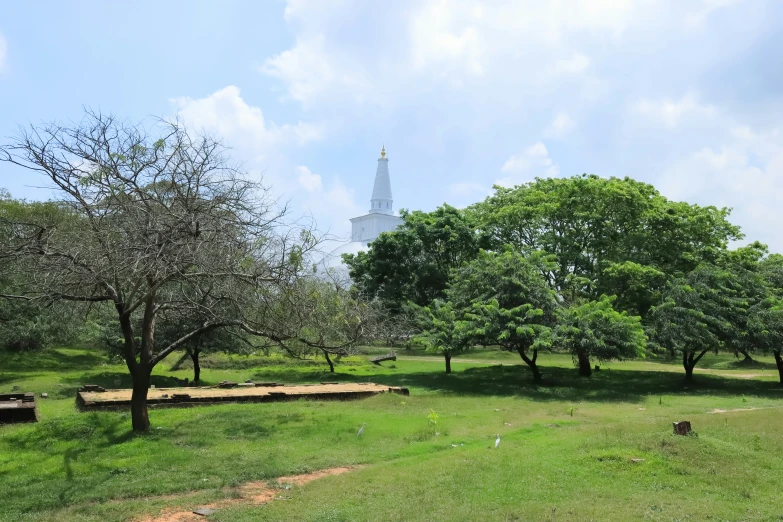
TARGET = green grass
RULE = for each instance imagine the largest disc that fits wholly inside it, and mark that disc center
(566, 445)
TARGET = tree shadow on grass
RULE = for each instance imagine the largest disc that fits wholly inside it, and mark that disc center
(49, 360)
(101, 429)
(110, 380)
(559, 384)
(69, 440)
(719, 363)
(6, 378)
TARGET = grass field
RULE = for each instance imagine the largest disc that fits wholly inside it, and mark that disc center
(570, 448)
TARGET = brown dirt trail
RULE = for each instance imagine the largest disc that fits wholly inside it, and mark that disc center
(260, 492)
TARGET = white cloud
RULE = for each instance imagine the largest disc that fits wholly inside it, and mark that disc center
(3, 53)
(442, 33)
(464, 193)
(468, 189)
(310, 69)
(457, 40)
(309, 181)
(561, 125)
(444, 68)
(266, 149)
(576, 64)
(671, 112)
(404, 44)
(704, 8)
(745, 172)
(533, 162)
(332, 205)
(226, 113)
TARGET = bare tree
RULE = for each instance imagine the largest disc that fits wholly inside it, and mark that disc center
(163, 227)
(316, 314)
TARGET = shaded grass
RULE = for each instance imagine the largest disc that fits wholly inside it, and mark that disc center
(221, 361)
(566, 445)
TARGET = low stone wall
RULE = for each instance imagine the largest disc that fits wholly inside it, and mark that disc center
(17, 407)
(246, 392)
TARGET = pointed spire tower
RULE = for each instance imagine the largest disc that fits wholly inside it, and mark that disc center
(381, 216)
(381, 201)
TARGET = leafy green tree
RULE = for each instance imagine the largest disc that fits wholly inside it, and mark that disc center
(445, 330)
(412, 264)
(771, 268)
(36, 325)
(596, 329)
(510, 303)
(746, 271)
(591, 224)
(26, 323)
(766, 329)
(637, 287)
(704, 311)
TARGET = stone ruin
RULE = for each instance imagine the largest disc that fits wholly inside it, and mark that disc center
(17, 407)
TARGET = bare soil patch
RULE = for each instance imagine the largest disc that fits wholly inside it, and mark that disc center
(260, 492)
(244, 393)
(718, 410)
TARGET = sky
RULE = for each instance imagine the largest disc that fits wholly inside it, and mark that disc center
(684, 94)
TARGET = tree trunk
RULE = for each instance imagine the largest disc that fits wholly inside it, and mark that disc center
(140, 376)
(689, 361)
(584, 364)
(689, 373)
(531, 362)
(141, 383)
(196, 366)
(447, 355)
(329, 360)
(779, 362)
(747, 358)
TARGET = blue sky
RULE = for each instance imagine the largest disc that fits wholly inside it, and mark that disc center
(684, 94)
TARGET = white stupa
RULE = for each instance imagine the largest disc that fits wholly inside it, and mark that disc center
(381, 217)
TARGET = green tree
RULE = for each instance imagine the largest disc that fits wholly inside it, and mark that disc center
(510, 303)
(596, 329)
(766, 328)
(445, 330)
(771, 268)
(591, 224)
(637, 287)
(745, 264)
(27, 323)
(704, 311)
(412, 264)
(36, 325)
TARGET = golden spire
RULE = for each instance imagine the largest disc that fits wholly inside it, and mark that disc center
(383, 151)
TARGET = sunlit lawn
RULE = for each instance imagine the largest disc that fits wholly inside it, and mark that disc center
(566, 446)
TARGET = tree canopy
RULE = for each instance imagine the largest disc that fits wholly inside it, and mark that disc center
(591, 224)
(596, 329)
(508, 301)
(445, 330)
(412, 264)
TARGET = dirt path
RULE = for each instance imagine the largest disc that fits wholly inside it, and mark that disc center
(251, 493)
